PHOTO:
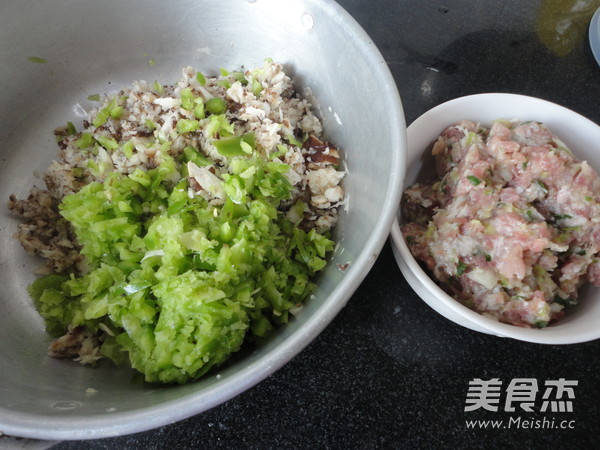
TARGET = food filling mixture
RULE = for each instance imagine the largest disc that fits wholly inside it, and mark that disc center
(182, 221)
(511, 227)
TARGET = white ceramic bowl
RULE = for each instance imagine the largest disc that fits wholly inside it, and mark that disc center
(581, 135)
(92, 47)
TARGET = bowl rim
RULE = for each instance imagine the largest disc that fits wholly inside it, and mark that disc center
(594, 35)
(71, 427)
(438, 299)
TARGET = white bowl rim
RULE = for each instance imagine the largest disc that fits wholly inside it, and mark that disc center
(415, 274)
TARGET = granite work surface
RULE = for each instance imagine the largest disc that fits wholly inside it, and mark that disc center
(389, 372)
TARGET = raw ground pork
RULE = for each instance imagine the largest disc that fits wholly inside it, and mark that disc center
(512, 226)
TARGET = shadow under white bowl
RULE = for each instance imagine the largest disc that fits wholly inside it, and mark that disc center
(581, 135)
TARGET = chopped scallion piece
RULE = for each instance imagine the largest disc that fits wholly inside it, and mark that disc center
(239, 76)
(199, 109)
(281, 150)
(561, 216)
(187, 99)
(116, 112)
(157, 87)
(474, 180)
(460, 268)
(71, 129)
(235, 145)
(86, 140)
(108, 143)
(292, 140)
(191, 154)
(150, 125)
(256, 87)
(128, 149)
(104, 113)
(37, 60)
(541, 184)
(200, 78)
(187, 125)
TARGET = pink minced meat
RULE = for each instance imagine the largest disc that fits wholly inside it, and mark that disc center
(512, 226)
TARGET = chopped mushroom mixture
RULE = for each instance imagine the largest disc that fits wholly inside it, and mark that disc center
(182, 218)
(134, 128)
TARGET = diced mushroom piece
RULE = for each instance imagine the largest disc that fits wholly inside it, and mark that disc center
(209, 185)
(320, 152)
(79, 344)
(322, 179)
(334, 194)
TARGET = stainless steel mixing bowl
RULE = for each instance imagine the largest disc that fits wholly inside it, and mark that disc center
(55, 53)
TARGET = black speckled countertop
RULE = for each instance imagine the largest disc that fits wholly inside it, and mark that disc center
(389, 372)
